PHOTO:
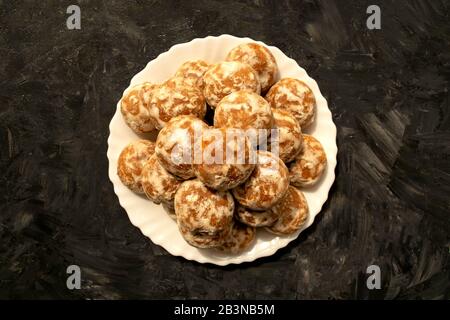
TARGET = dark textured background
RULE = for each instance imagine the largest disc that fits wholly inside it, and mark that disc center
(387, 89)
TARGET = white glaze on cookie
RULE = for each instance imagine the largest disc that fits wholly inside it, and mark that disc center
(176, 136)
(240, 238)
(289, 135)
(131, 161)
(225, 158)
(134, 107)
(256, 218)
(243, 110)
(266, 185)
(293, 212)
(260, 59)
(190, 73)
(226, 77)
(295, 96)
(167, 102)
(158, 184)
(204, 215)
(310, 163)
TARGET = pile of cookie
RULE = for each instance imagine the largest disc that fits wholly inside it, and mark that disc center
(220, 204)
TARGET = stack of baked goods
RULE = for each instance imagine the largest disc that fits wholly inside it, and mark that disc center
(219, 201)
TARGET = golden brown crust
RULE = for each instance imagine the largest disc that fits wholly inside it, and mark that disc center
(220, 166)
(240, 238)
(131, 161)
(289, 135)
(295, 96)
(226, 77)
(167, 102)
(175, 138)
(267, 184)
(204, 215)
(293, 213)
(256, 218)
(310, 163)
(190, 73)
(158, 184)
(260, 59)
(134, 107)
(243, 110)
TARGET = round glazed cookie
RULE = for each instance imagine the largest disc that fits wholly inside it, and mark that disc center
(134, 107)
(260, 59)
(255, 218)
(177, 82)
(226, 77)
(288, 137)
(267, 184)
(225, 158)
(167, 102)
(131, 161)
(204, 215)
(158, 184)
(293, 212)
(295, 96)
(175, 145)
(191, 73)
(243, 110)
(309, 164)
(240, 238)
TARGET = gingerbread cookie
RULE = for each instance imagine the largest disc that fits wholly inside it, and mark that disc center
(158, 184)
(225, 158)
(134, 107)
(240, 238)
(204, 215)
(260, 59)
(243, 110)
(190, 73)
(309, 164)
(175, 145)
(295, 96)
(226, 77)
(287, 141)
(167, 102)
(131, 161)
(255, 218)
(267, 184)
(293, 212)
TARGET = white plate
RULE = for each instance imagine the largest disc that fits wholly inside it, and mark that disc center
(151, 219)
